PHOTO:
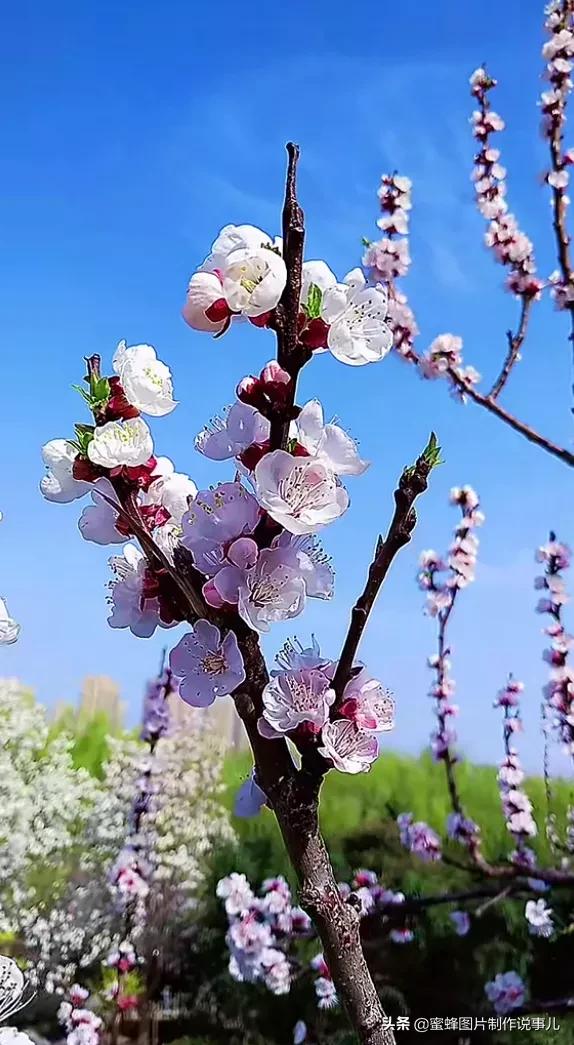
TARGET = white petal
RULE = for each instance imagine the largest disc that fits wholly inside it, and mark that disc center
(121, 443)
(203, 291)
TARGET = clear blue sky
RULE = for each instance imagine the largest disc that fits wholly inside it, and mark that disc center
(131, 134)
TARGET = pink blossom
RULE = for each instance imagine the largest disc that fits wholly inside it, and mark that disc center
(351, 750)
(292, 698)
(506, 992)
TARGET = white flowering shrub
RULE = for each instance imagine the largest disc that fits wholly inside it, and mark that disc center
(45, 804)
(62, 831)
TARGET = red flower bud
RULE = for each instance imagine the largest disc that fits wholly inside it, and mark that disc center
(314, 334)
(218, 311)
(84, 470)
(253, 454)
(261, 321)
(118, 406)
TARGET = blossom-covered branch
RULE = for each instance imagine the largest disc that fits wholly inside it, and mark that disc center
(558, 53)
(236, 558)
(442, 580)
(387, 260)
(559, 692)
(510, 246)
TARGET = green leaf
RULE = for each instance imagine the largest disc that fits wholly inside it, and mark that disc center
(85, 434)
(314, 299)
(85, 395)
(100, 389)
(98, 395)
(431, 452)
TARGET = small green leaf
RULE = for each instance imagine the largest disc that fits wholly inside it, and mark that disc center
(314, 299)
(431, 452)
(98, 395)
(85, 395)
(366, 242)
(85, 434)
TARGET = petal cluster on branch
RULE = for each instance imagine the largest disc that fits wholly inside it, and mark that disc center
(559, 691)
(510, 246)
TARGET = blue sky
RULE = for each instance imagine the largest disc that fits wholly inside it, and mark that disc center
(131, 134)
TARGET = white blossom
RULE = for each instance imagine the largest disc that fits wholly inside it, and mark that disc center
(9, 628)
(59, 484)
(356, 315)
(292, 698)
(145, 380)
(253, 280)
(351, 750)
(327, 442)
(121, 444)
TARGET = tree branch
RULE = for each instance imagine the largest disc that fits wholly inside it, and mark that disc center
(513, 422)
(290, 354)
(294, 794)
(515, 342)
(413, 482)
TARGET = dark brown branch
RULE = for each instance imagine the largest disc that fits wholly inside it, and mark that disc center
(294, 794)
(417, 903)
(413, 482)
(513, 422)
(290, 354)
(515, 342)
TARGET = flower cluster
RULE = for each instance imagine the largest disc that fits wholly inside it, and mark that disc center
(510, 246)
(558, 54)
(419, 838)
(559, 692)
(516, 805)
(45, 804)
(462, 829)
(387, 259)
(132, 491)
(244, 277)
(260, 930)
(506, 992)
(442, 579)
(266, 930)
(155, 873)
(443, 358)
(82, 1026)
(325, 990)
(299, 700)
(263, 572)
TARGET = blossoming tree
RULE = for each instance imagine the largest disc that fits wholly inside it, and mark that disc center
(234, 559)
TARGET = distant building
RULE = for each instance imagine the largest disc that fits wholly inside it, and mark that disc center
(221, 715)
(101, 694)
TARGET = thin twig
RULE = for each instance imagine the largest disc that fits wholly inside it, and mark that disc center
(413, 482)
(513, 422)
(515, 342)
